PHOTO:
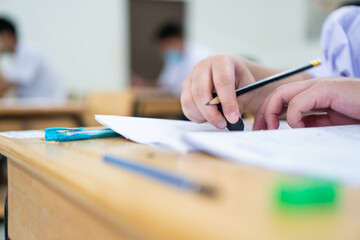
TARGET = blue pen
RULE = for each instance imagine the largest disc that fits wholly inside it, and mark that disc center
(161, 175)
(70, 134)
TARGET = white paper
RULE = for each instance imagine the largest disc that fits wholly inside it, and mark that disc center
(156, 132)
(160, 132)
(327, 152)
(23, 134)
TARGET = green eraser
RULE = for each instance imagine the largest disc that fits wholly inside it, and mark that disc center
(305, 192)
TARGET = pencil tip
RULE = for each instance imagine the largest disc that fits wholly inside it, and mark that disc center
(207, 104)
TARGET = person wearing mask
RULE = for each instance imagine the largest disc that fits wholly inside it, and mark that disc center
(179, 56)
(29, 72)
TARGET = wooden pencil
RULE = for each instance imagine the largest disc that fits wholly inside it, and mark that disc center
(268, 80)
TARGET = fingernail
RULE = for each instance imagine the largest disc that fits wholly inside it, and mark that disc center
(222, 124)
(233, 117)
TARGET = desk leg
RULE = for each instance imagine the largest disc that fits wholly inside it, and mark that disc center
(37, 212)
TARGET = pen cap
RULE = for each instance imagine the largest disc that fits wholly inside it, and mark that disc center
(51, 134)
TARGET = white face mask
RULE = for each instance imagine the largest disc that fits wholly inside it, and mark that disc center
(172, 57)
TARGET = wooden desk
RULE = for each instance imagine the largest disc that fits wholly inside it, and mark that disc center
(66, 191)
(153, 102)
(22, 115)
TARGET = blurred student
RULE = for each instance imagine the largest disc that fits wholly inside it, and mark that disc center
(179, 56)
(30, 72)
(333, 87)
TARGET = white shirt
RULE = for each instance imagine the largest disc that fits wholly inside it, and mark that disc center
(172, 77)
(33, 75)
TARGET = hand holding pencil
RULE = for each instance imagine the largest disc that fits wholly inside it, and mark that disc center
(221, 74)
(224, 74)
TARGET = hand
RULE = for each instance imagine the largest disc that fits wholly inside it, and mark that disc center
(339, 98)
(221, 74)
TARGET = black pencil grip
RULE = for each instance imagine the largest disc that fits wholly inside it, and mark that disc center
(239, 126)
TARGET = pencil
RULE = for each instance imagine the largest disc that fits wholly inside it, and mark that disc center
(268, 80)
(161, 175)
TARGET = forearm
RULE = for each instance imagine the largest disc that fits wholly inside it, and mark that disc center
(260, 72)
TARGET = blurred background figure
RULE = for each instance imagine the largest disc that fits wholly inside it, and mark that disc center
(118, 57)
(179, 56)
(29, 72)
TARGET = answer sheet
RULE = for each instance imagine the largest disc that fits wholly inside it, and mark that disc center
(156, 132)
(327, 152)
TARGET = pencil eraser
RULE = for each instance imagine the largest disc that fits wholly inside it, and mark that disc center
(239, 126)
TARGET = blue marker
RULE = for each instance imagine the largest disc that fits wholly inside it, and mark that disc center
(161, 175)
(70, 134)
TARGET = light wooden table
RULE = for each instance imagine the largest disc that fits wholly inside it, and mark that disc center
(66, 191)
(154, 102)
(21, 115)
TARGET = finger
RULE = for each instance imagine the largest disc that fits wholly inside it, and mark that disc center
(244, 77)
(318, 96)
(188, 105)
(202, 88)
(337, 118)
(223, 74)
(316, 120)
(280, 99)
(259, 121)
(331, 118)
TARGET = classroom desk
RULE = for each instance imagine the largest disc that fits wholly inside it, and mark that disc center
(66, 191)
(20, 115)
(153, 102)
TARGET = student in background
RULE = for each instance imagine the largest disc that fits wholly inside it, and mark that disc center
(179, 56)
(29, 72)
(333, 87)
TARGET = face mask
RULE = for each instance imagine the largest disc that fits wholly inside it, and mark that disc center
(172, 57)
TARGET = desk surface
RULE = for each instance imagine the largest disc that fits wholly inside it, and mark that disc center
(23, 115)
(245, 207)
(153, 102)
(18, 108)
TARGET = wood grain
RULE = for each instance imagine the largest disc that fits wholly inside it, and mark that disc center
(71, 178)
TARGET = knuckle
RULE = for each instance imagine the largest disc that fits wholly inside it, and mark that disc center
(293, 104)
(280, 89)
(201, 63)
(223, 82)
(186, 103)
(221, 57)
(197, 93)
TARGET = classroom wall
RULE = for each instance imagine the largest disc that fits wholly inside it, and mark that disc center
(86, 40)
(271, 31)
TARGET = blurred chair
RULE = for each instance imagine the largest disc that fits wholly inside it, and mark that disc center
(108, 103)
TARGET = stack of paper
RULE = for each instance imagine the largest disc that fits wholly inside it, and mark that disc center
(155, 132)
(327, 152)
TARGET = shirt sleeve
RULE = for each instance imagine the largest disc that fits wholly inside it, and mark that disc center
(24, 68)
(340, 43)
